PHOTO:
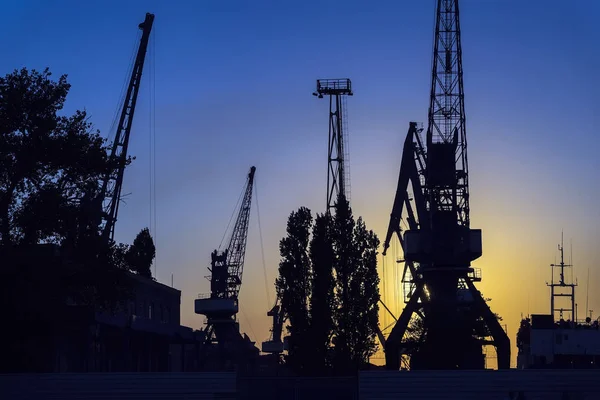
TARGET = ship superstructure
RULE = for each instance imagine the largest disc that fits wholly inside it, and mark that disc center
(559, 339)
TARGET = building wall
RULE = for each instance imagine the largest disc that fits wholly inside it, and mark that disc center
(69, 337)
(143, 335)
(154, 301)
(547, 342)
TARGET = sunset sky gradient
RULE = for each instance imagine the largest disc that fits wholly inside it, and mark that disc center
(233, 89)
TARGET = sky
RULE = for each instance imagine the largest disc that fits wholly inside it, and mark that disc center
(232, 88)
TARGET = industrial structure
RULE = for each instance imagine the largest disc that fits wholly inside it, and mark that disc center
(221, 306)
(338, 182)
(275, 345)
(559, 339)
(432, 199)
(563, 289)
(338, 177)
(113, 181)
(143, 333)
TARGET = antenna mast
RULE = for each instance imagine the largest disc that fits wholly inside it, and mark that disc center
(563, 288)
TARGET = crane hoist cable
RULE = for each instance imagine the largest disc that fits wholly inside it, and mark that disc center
(152, 144)
(235, 209)
(262, 248)
(383, 285)
(126, 78)
(248, 321)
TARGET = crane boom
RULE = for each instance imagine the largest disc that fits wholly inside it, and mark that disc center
(227, 267)
(222, 305)
(236, 251)
(113, 180)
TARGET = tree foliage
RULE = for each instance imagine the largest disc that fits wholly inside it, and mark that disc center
(51, 170)
(416, 331)
(141, 253)
(322, 301)
(331, 297)
(48, 162)
(357, 289)
(293, 284)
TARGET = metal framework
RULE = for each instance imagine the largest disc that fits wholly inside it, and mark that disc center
(338, 178)
(113, 181)
(228, 267)
(275, 344)
(221, 306)
(432, 199)
(557, 289)
(446, 130)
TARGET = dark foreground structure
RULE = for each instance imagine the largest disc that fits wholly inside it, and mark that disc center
(451, 385)
(432, 199)
(49, 334)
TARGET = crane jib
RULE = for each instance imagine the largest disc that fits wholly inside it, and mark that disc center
(113, 180)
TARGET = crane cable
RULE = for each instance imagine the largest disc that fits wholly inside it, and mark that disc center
(383, 284)
(113, 127)
(262, 248)
(232, 215)
(248, 322)
(152, 143)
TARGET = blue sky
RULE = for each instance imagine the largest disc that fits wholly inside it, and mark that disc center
(233, 86)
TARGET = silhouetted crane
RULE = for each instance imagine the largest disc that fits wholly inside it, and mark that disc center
(439, 244)
(221, 307)
(113, 180)
(100, 205)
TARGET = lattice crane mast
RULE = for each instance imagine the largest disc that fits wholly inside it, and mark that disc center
(221, 306)
(338, 177)
(113, 181)
(227, 267)
(103, 204)
(439, 244)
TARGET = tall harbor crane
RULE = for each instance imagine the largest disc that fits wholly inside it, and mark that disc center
(113, 181)
(221, 306)
(432, 199)
(103, 203)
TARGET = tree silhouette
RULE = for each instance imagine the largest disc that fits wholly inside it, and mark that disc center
(48, 162)
(140, 255)
(357, 292)
(51, 166)
(322, 257)
(294, 285)
(331, 297)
